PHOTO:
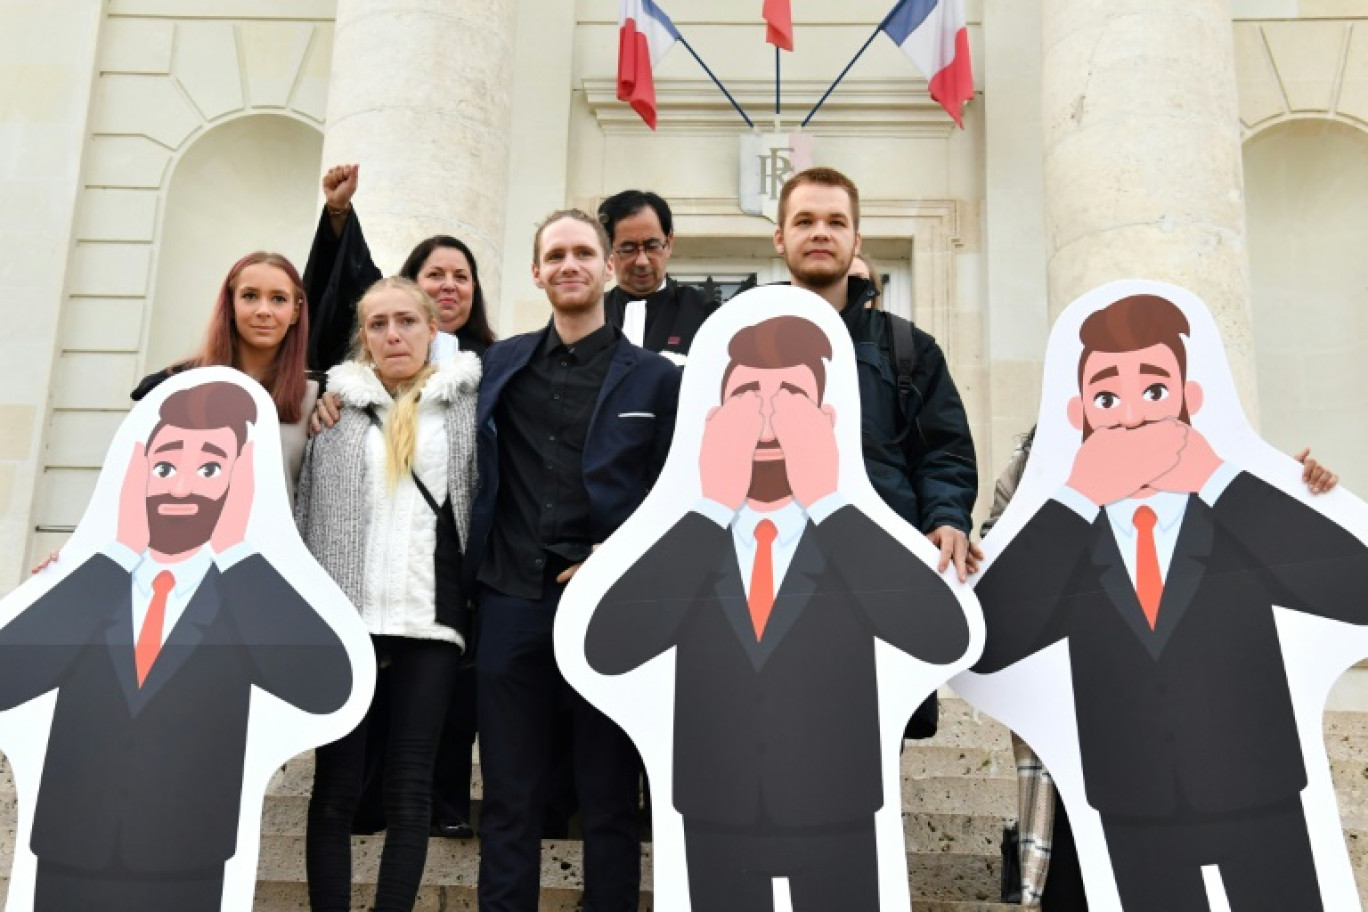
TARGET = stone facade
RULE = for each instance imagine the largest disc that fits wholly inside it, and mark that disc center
(172, 138)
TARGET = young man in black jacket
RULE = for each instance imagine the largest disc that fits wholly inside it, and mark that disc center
(917, 447)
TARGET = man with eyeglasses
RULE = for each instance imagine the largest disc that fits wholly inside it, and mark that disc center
(652, 309)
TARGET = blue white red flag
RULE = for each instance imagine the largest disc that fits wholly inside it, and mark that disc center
(645, 34)
(932, 34)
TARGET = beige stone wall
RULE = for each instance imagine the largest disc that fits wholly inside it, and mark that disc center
(1303, 89)
(47, 66)
(130, 90)
(165, 75)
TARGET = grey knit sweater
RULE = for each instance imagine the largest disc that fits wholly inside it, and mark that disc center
(329, 504)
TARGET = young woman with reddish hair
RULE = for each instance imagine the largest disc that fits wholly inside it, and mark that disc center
(260, 326)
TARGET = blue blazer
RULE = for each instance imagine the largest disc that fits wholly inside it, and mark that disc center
(628, 439)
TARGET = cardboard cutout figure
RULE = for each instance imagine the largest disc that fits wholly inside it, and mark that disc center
(764, 625)
(1166, 613)
(193, 647)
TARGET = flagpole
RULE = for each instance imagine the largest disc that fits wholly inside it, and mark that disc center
(717, 82)
(776, 88)
(861, 51)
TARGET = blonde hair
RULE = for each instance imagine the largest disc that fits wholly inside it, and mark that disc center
(401, 430)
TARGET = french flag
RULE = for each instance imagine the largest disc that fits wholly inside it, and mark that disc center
(645, 34)
(932, 34)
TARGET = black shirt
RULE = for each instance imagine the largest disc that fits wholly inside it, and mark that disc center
(543, 421)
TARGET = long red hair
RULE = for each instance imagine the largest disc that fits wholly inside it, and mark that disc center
(289, 372)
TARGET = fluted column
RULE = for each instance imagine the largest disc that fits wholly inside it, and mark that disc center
(419, 96)
(1143, 171)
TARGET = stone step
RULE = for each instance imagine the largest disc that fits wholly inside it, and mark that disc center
(942, 876)
(295, 898)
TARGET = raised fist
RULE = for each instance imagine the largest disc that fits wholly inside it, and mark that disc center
(339, 185)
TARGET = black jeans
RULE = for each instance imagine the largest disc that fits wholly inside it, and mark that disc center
(520, 691)
(421, 675)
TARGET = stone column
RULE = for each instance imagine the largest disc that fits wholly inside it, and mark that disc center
(49, 60)
(1143, 171)
(419, 96)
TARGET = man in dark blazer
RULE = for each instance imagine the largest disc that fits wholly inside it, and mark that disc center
(654, 310)
(574, 422)
(1160, 564)
(154, 646)
(774, 591)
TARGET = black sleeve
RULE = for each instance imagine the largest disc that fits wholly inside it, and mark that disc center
(640, 616)
(296, 656)
(1321, 566)
(1023, 592)
(338, 272)
(38, 646)
(940, 448)
(908, 605)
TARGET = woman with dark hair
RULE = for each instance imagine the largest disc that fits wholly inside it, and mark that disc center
(340, 268)
(260, 326)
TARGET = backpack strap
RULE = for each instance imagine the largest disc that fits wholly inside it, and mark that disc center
(903, 347)
(422, 488)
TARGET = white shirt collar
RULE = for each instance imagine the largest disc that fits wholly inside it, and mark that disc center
(789, 520)
(189, 573)
(1167, 505)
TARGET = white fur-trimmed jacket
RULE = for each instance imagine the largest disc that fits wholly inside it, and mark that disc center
(376, 541)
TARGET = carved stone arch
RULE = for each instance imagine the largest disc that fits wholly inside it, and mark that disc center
(1306, 189)
(247, 183)
(167, 86)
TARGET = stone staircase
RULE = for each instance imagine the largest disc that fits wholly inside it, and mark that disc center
(959, 791)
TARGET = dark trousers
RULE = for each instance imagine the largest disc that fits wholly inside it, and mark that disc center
(827, 869)
(420, 675)
(451, 783)
(62, 889)
(519, 692)
(1264, 857)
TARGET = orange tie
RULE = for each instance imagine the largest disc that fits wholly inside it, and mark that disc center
(762, 577)
(150, 639)
(1149, 583)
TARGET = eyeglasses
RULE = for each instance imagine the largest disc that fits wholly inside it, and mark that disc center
(630, 249)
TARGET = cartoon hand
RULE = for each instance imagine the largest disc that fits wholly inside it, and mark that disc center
(1115, 462)
(729, 437)
(806, 432)
(132, 527)
(1196, 464)
(237, 509)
